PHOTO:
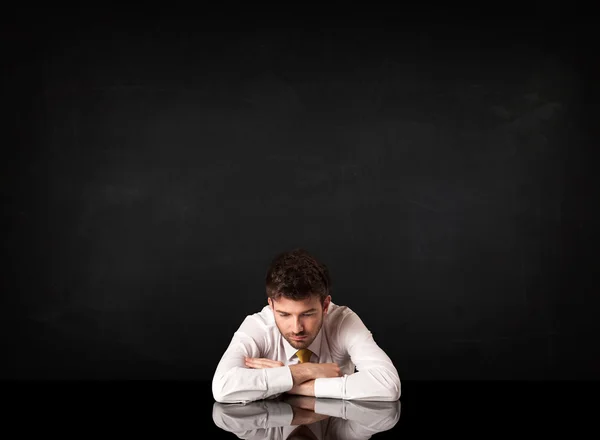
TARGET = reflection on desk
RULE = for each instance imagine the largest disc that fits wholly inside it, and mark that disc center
(298, 417)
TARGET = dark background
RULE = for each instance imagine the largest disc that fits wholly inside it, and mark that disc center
(440, 163)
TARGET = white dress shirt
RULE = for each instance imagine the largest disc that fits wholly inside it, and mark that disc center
(343, 339)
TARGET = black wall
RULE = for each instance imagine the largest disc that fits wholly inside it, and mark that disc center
(155, 162)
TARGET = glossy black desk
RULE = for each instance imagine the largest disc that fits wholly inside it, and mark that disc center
(177, 409)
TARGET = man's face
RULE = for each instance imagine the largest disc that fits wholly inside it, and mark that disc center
(299, 321)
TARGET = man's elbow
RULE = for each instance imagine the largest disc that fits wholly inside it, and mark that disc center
(221, 396)
(390, 389)
(395, 391)
(396, 388)
(387, 394)
(218, 391)
(223, 392)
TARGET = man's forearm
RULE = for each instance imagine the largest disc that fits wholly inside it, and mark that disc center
(304, 389)
(377, 384)
(309, 371)
(301, 373)
(242, 385)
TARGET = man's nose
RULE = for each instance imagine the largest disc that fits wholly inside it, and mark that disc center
(298, 326)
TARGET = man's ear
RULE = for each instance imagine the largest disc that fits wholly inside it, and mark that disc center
(326, 304)
(271, 304)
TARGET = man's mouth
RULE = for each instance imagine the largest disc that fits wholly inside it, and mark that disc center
(298, 338)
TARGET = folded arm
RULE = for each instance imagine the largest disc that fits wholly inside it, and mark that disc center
(243, 375)
(238, 381)
(235, 382)
(376, 379)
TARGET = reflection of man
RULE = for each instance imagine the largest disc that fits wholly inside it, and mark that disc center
(300, 417)
(303, 344)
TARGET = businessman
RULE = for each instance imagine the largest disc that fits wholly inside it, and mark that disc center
(302, 343)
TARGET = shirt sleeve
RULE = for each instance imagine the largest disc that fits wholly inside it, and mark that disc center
(376, 379)
(233, 382)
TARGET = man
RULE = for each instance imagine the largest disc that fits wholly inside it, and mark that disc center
(302, 343)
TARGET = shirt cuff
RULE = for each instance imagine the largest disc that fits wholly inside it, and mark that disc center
(279, 379)
(330, 387)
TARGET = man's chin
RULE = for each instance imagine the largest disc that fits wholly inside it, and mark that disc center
(299, 344)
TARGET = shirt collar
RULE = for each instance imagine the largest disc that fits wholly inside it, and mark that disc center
(315, 346)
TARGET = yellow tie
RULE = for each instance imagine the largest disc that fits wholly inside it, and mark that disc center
(304, 355)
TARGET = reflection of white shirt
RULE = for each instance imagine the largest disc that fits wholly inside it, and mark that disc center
(272, 420)
(343, 339)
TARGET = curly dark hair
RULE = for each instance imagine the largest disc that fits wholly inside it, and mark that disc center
(297, 275)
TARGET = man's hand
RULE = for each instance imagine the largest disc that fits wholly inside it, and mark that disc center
(325, 370)
(262, 363)
(308, 370)
(304, 389)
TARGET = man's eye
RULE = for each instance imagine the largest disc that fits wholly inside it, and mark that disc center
(308, 314)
